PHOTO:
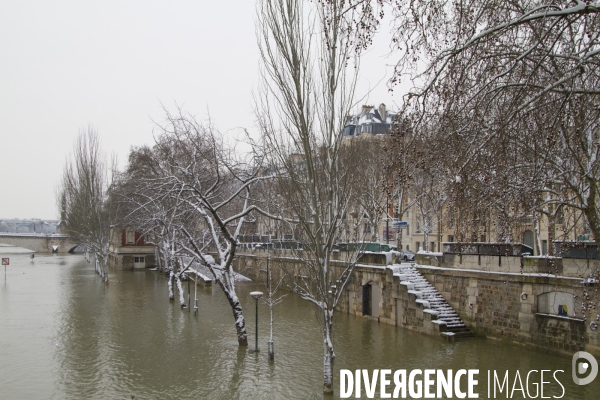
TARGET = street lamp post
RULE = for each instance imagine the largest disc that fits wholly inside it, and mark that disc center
(256, 295)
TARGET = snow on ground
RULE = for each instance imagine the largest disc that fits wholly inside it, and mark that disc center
(430, 253)
(204, 272)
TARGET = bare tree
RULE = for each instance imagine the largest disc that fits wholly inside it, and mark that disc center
(430, 196)
(309, 89)
(201, 172)
(156, 213)
(370, 180)
(271, 301)
(513, 87)
(83, 198)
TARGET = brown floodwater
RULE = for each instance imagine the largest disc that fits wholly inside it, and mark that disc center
(64, 334)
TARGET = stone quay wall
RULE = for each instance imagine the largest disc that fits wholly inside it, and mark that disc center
(510, 307)
(567, 267)
(506, 306)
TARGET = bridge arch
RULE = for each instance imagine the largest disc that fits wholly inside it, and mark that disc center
(76, 249)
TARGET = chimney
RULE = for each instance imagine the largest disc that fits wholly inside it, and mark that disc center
(382, 112)
(365, 110)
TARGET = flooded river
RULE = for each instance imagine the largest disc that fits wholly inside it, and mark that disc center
(66, 335)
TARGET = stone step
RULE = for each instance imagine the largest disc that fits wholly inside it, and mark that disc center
(459, 329)
(452, 320)
(448, 315)
(432, 302)
(458, 335)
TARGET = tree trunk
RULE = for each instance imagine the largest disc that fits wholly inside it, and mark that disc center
(591, 211)
(170, 285)
(328, 355)
(551, 233)
(328, 370)
(538, 241)
(180, 290)
(236, 308)
(271, 347)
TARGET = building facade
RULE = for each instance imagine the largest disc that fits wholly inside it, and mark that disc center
(129, 250)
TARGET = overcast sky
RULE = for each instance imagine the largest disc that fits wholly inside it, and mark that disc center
(65, 65)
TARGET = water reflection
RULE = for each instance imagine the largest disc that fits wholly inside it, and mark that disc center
(67, 335)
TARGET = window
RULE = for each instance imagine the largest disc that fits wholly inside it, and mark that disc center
(451, 238)
(560, 216)
(432, 247)
(544, 247)
(407, 247)
(367, 227)
(138, 259)
(130, 236)
(528, 238)
(483, 239)
(418, 246)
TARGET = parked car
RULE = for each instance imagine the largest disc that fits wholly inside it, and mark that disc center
(407, 255)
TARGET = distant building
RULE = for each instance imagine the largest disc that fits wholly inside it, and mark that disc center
(31, 226)
(376, 121)
(129, 250)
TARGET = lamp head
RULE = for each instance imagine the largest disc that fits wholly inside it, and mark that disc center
(256, 295)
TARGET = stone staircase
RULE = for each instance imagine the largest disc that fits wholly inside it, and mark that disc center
(442, 314)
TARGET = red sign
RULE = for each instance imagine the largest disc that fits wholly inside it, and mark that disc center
(6, 261)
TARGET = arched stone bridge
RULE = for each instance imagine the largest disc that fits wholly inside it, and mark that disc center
(40, 243)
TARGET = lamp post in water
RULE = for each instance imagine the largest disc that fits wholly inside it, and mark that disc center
(256, 295)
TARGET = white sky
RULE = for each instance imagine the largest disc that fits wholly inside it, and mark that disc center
(65, 65)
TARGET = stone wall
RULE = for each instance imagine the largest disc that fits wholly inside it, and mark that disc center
(496, 305)
(150, 260)
(568, 267)
(39, 243)
(505, 307)
(126, 263)
(483, 262)
(390, 301)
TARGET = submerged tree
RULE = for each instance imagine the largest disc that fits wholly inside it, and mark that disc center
(155, 213)
(195, 190)
(84, 201)
(306, 49)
